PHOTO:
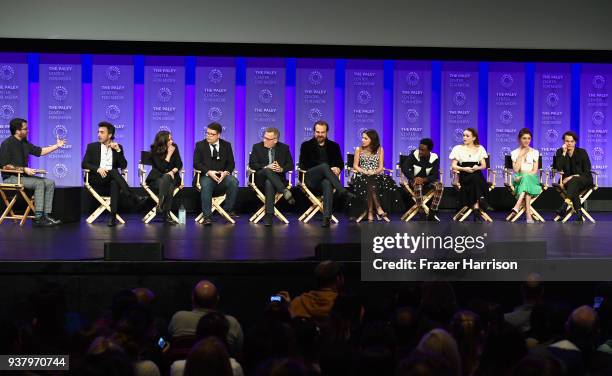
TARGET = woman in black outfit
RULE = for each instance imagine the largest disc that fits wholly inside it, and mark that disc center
(165, 176)
(468, 160)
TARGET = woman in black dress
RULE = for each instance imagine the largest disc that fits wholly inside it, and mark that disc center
(375, 191)
(164, 176)
(469, 160)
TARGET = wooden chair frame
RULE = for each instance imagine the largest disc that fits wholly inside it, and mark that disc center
(350, 174)
(20, 191)
(405, 184)
(508, 172)
(217, 201)
(465, 211)
(259, 214)
(316, 202)
(104, 201)
(142, 176)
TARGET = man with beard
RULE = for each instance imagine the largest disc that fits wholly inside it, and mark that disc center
(322, 161)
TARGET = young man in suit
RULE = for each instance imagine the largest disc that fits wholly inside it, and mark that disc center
(576, 167)
(271, 159)
(215, 159)
(103, 159)
(321, 158)
(14, 153)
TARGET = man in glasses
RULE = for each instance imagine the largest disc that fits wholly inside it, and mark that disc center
(271, 160)
(215, 159)
(14, 153)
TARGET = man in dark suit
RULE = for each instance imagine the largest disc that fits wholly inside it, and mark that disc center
(271, 159)
(576, 167)
(215, 159)
(103, 159)
(322, 160)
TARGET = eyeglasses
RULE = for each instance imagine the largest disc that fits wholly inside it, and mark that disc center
(211, 133)
(269, 139)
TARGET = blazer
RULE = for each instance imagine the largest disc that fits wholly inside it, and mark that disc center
(428, 169)
(579, 163)
(203, 161)
(309, 154)
(159, 166)
(91, 159)
(259, 157)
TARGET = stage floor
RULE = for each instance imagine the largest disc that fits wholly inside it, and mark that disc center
(247, 241)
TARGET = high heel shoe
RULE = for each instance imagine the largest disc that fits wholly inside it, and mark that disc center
(513, 213)
(383, 216)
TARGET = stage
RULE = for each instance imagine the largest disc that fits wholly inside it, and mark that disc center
(246, 241)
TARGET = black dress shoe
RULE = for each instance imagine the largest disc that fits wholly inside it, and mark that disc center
(348, 195)
(54, 221)
(139, 201)
(432, 216)
(169, 220)
(112, 221)
(268, 220)
(579, 216)
(207, 221)
(289, 197)
(482, 203)
(41, 222)
(562, 210)
(326, 221)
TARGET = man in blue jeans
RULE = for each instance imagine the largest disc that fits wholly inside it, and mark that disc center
(215, 159)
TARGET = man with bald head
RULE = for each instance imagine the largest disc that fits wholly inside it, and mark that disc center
(205, 299)
(582, 334)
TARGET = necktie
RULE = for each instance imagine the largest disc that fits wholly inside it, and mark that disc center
(215, 154)
(271, 155)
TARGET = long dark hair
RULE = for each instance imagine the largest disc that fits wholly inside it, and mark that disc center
(160, 145)
(474, 133)
(374, 140)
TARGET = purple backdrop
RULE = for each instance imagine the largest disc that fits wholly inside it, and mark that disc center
(60, 116)
(164, 99)
(13, 90)
(215, 96)
(363, 98)
(596, 117)
(411, 106)
(506, 110)
(314, 86)
(551, 110)
(113, 101)
(459, 107)
(265, 99)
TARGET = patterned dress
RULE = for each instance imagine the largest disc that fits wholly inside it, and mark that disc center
(382, 185)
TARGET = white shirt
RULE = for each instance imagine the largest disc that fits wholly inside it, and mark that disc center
(106, 157)
(464, 154)
(529, 160)
(212, 150)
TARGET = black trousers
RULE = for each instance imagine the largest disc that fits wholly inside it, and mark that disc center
(271, 183)
(113, 181)
(164, 186)
(322, 179)
(574, 187)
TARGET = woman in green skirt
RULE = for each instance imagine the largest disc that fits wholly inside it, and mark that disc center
(526, 181)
